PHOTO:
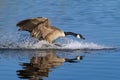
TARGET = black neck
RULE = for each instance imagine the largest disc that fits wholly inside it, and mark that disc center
(74, 59)
(70, 33)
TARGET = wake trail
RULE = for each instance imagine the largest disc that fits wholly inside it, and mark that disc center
(24, 41)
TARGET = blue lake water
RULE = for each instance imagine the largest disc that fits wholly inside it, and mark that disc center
(22, 57)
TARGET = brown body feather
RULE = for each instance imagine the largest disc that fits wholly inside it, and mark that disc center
(40, 28)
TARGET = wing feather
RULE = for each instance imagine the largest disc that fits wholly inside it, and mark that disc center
(30, 24)
(40, 28)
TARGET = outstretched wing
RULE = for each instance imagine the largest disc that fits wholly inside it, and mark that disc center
(40, 28)
(31, 24)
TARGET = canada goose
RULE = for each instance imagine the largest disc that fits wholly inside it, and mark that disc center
(41, 29)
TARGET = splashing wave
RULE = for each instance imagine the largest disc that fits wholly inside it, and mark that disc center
(23, 41)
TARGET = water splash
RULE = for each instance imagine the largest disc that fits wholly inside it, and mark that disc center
(24, 41)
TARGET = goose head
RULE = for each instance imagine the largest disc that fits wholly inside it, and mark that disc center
(80, 36)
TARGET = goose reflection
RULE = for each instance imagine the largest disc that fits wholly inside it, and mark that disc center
(41, 64)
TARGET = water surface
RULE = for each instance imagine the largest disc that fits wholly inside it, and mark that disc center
(22, 57)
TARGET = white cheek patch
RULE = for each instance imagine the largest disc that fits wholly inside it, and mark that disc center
(78, 36)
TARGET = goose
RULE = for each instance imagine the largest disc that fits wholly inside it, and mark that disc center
(41, 29)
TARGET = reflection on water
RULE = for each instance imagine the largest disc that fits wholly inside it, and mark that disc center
(42, 63)
(97, 20)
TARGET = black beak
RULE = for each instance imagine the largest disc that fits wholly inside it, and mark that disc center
(82, 37)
